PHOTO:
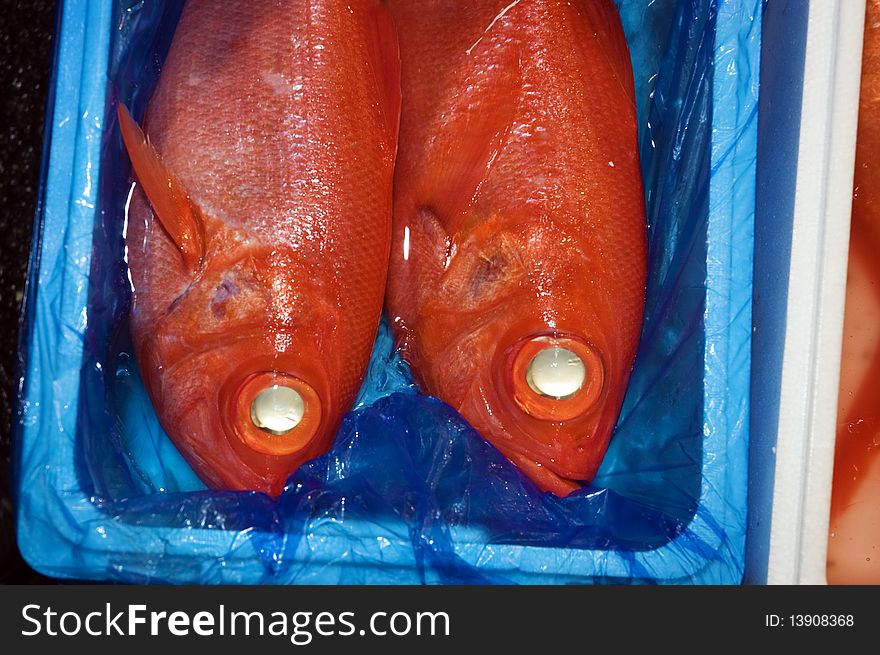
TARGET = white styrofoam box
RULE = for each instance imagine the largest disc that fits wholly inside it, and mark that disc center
(809, 141)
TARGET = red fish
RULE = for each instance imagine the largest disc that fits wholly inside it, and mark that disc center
(259, 234)
(518, 265)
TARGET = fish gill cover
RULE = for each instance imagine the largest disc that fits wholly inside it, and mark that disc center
(409, 492)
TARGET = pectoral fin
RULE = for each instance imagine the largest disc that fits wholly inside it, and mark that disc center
(172, 205)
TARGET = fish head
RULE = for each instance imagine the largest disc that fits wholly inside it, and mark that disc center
(238, 368)
(533, 353)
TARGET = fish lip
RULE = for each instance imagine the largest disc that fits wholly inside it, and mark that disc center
(221, 465)
(574, 474)
(545, 477)
(511, 431)
(492, 408)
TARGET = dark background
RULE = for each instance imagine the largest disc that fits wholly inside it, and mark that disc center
(26, 37)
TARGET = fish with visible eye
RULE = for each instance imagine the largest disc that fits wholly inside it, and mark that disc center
(259, 230)
(519, 255)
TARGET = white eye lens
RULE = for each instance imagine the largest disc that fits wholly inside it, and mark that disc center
(556, 373)
(277, 409)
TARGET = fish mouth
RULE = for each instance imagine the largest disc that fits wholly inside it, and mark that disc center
(545, 478)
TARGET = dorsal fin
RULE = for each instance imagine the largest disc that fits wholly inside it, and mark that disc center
(385, 60)
(473, 134)
(172, 205)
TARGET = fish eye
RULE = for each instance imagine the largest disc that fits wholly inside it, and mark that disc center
(277, 409)
(272, 412)
(556, 372)
(555, 378)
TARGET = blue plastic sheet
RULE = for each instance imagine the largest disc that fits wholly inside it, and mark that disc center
(409, 493)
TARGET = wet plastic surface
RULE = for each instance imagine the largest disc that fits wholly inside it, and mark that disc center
(409, 493)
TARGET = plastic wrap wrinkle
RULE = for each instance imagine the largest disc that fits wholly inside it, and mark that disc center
(409, 493)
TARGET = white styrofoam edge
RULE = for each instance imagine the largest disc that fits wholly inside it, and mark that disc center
(817, 281)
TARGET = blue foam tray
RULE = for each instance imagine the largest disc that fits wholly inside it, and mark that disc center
(62, 529)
